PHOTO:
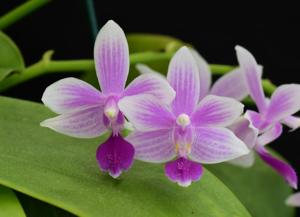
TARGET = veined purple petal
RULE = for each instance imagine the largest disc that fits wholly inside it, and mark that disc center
(284, 102)
(292, 122)
(270, 135)
(111, 58)
(257, 120)
(217, 111)
(115, 155)
(151, 84)
(183, 75)
(183, 171)
(85, 123)
(215, 145)
(252, 76)
(231, 85)
(293, 200)
(70, 94)
(204, 72)
(283, 168)
(146, 113)
(154, 146)
(245, 161)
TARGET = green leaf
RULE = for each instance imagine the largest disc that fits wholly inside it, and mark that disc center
(259, 188)
(139, 42)
(11, 59)
(63, 171)
(9, 204)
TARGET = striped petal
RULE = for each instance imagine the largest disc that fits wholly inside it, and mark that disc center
(231, 85)
(151, 84)
(217, 111)
(70, 94)
(284, 102)
(270, 135)
(146, 113)
(154, 146)
(183, 76)
(215, 145)
(111, 58)
(86, 123)
(292, 122)
(252, 73)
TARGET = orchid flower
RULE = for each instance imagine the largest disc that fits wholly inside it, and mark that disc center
(272, 113)
(293, 200)
(191, 131)
(86, 112)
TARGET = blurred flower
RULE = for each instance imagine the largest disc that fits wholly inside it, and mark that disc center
(189, 130)
(293, 200)
(272, 113)
(86, 112)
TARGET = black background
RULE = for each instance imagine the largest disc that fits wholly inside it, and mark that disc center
(272, 36)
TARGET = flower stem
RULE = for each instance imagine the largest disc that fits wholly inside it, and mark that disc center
(20, 12)
(92, 17)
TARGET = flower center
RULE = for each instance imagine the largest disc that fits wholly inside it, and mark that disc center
(183, 120)
(111, 109)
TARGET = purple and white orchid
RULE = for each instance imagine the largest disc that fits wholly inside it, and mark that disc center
(272, 113)
(191, 130)
(293, 200)
(86, 112)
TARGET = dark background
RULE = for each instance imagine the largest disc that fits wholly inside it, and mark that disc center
(272, 36)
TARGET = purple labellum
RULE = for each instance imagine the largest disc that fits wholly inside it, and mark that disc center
(183, 171)
(115, 155)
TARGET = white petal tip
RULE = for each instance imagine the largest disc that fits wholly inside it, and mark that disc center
(184, 184)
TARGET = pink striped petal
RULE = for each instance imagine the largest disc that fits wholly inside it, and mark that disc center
(146, 113)
(283, 168)
(204, 72)
(85, 123)
(231, 85)
(293, 200)
(292, 122)
(183, 76)
(257, 120)
(111, 58)
(215, 145)
(252, 76)
(270, 135)
(183, 171)
(284, 102)
(217, 111)
(154, 146)
(151, 84)
(70, 94)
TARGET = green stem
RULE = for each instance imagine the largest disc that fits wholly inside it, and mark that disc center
(20, 12)
(92, 17)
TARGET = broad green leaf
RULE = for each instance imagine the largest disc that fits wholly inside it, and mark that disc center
(9, 204)
(141, 42)
(63, 171)
(259, 188)
(11, 59)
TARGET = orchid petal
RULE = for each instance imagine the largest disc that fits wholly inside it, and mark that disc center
(144, 69)
(270, 135)
(293, 200)
(115, 155)
(154, 146)
(231, 85)
(183, 76)
(257, 120)
(284, 102)
(111, 58)
(71, 94)
(245, 131)
(151, 84)
(85, 123)
(183, 171)
(283, 168)
(217, 111)
(146, 113)
(245, 161)
(204, 73)
(292, 122)
(215, 145)
(252, 73)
